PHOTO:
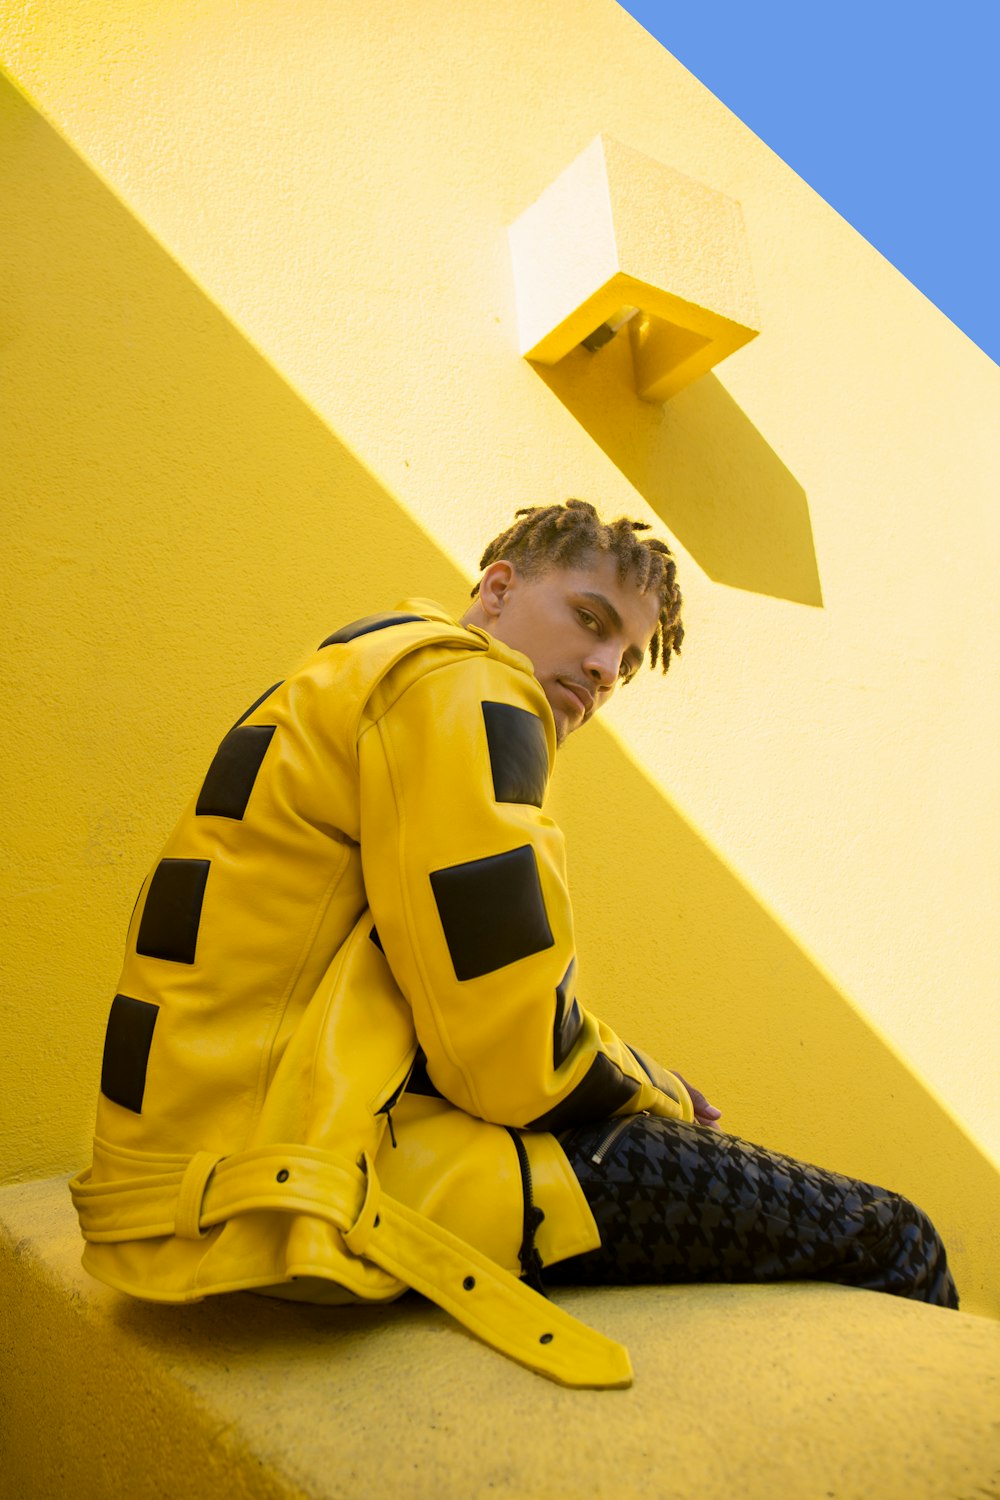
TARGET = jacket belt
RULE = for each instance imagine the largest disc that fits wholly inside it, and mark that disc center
(480, 1294)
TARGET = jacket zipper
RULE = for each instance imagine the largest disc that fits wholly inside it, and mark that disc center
(608, 1139)
(528, 1256)
(390, 1104)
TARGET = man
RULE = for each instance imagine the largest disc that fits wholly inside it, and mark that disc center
(347, 1055)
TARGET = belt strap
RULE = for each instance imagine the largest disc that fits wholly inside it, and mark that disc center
(187, 1222)
(480, 1294)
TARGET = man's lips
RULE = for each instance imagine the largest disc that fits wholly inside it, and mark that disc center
(581, 696)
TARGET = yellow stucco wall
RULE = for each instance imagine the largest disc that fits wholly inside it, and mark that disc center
(258, 348)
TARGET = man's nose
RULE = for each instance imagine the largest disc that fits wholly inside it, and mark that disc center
(603, 665)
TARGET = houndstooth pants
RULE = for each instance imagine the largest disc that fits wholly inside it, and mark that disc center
(678, 1202)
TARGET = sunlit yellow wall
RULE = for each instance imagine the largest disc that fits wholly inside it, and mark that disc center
(258, 348)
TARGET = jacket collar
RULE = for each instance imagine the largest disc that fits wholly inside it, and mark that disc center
(432, 611)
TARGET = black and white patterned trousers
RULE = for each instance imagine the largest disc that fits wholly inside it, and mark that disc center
(678, 1202)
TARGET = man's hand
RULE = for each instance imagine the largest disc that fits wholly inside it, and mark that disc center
(704, 1113)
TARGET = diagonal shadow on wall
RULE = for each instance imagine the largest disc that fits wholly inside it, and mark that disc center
(700, 463)
(186, 528)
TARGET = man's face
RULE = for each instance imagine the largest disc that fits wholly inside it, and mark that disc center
(582, 628)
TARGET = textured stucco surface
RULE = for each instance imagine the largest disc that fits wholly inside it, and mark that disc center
(799, 1391)
(259, 356)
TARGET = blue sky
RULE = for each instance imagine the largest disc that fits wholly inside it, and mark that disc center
(888, 109)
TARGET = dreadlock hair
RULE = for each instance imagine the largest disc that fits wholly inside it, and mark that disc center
(560, 536)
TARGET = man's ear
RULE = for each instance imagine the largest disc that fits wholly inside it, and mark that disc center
(494, 586)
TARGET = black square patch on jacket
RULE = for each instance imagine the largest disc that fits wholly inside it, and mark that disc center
(366, 626)
(519, 755)
(171, 916)
(492, 911)
(602, 1090)
(126, 1051)
(569, 1018)
(257, 702)
(231, 776)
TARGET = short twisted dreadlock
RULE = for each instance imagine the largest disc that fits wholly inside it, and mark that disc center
(560, 536)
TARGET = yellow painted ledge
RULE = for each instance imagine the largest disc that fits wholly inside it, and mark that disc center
(746, 1392)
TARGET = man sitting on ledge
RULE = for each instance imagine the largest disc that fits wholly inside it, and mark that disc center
(347, 1054)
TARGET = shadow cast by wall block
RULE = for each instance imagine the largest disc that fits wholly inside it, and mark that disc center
(703, 467)
(182, 530)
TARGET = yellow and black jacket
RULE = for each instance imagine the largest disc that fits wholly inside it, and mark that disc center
(346, 1029)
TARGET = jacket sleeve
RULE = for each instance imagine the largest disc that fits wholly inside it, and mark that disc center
(465, 876)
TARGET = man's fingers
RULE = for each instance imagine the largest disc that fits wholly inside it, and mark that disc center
(702, 1106)
(704, 1113)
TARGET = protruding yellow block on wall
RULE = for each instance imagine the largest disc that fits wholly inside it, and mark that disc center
(619, 237)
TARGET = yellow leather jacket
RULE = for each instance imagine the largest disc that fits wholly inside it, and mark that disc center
(366, 879)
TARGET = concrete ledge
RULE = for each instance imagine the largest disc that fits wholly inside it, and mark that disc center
(743, 1392)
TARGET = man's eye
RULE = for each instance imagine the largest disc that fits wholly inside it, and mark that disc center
(589, 620)
(625, 673)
